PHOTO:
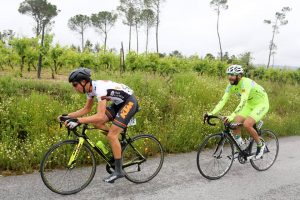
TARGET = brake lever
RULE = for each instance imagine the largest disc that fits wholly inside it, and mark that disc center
(62, 119)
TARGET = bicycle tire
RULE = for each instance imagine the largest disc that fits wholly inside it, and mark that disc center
(149, 164)
(270, 153)
(212, 147)
(54, 169)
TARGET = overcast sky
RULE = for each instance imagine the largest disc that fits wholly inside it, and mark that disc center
(188, 26)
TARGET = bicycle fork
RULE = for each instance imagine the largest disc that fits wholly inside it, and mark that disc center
(219, 149)
(75, 153)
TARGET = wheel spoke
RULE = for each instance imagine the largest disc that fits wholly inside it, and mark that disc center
(58, 177)
(217, 165)
(142, 158)
(270, 153)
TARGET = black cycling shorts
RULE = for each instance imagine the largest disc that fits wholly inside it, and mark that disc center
(121, 114)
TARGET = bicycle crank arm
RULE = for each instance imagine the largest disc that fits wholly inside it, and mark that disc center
(133, 163)
(250, 157)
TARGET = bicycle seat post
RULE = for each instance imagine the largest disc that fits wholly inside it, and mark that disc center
(123, 134)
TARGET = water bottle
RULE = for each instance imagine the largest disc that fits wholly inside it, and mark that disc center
(247, 142)
(239, 140)
(102, 147)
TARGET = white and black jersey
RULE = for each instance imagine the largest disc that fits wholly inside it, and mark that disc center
(111, 91)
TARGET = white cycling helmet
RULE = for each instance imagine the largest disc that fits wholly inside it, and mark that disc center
(235, 69)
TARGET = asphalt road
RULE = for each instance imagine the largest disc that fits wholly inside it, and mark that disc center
(180, 179)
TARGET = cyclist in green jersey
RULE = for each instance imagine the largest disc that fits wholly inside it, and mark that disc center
(253, 106)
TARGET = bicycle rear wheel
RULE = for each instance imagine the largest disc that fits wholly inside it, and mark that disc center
(270, 152)
(64, 179)
(215, 156)
(142, 158)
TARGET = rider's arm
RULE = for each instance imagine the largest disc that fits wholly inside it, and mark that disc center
(83, 111)
(244, 97)
(222, 102)
(101, 107)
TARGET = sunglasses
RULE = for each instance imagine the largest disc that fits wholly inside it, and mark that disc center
(75, 84)
(231, 74)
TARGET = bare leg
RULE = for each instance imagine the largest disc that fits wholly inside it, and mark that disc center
(112, 136)
(248, 124)
(101, 124)
(238, 119)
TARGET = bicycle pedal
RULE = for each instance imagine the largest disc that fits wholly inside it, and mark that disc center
(235, 156)
(251, 158)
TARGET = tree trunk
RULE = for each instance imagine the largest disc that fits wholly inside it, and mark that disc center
(270, 53)
(82, 41)
(129, 37)
(52, 72)
(41, 56)
(29, 69)
(105, 40)
(122, 59)
(272, 44)
(147, 37)
(22, 65)
(37, 31)
(137, 38)
(10, 64)
(221, 52)
(157, 24)
(55, 66)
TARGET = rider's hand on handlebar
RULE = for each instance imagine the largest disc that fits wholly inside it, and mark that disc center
(72, 123)
(226, 120)
(206, 116)
(63, 118)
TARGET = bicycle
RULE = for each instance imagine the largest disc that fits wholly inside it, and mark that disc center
(70, 165)
(217, 152)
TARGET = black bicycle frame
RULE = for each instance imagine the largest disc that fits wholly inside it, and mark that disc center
(245, 153)
(87, 139)
(107, 159)
(227, 134)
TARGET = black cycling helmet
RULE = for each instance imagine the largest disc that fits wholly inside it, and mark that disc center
(80, 74)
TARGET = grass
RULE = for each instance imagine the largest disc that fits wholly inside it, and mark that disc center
(172, 109)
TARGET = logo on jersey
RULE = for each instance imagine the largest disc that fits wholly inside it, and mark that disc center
(126, 109)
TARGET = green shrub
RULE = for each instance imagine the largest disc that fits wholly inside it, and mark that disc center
(171, 109)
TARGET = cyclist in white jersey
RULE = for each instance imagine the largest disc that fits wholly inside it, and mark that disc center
(124, 106)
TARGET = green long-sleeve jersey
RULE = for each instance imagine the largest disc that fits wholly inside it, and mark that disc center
(248, 91)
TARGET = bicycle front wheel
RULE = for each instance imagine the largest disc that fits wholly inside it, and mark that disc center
(270, 152)
(215, 156)
(63, 178)
(142, 158)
